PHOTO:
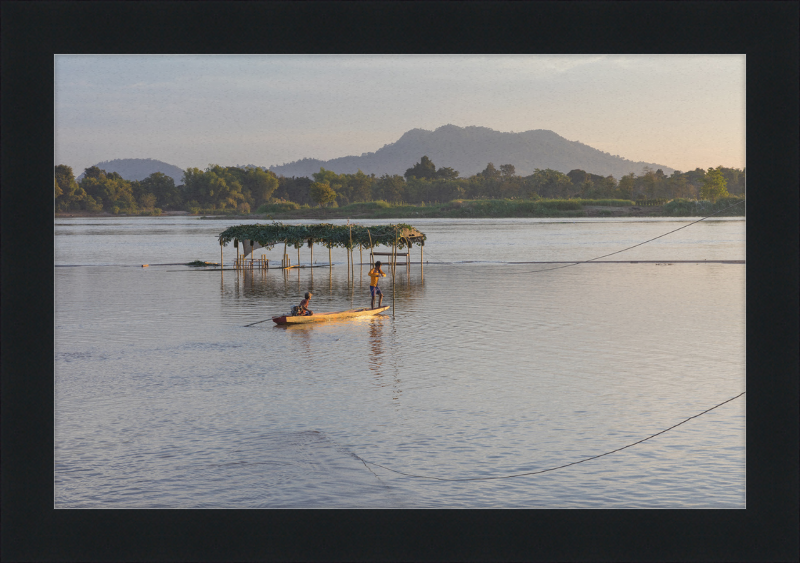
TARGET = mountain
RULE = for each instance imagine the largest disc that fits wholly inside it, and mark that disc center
(140, 168)
(470, 149)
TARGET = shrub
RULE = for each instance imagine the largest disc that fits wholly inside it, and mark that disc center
(691, 208)
(277, 207)
(561, 204)
(243, 208)
(606, 202)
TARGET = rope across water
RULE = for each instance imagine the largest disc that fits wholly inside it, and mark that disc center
(551, 468)
(624, 249)
(617, 251)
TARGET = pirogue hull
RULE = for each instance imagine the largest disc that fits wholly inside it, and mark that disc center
(322, 317)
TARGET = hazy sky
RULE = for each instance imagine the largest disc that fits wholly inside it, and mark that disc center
(682, 111)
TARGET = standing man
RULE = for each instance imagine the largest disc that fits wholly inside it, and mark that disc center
(375, 274)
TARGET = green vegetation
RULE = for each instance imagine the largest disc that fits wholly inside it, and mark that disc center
(606, 202)
(423, 191)
(714, 185)
(198, 263)
(279, 207)
(344, 236)
(692, 208)
(454, 209)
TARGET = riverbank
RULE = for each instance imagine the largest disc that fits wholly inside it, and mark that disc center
(473, 209)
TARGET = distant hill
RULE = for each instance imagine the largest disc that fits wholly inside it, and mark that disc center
(470, 149)
(140, 168)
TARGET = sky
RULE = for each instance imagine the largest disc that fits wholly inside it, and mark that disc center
(681, 111)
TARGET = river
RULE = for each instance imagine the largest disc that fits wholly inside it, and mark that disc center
(487, 366)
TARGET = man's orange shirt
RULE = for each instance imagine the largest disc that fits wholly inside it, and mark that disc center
(374, 275)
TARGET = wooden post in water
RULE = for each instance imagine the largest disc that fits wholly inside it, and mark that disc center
(394, 253)
(298, 256)
(421, 267)
(220, 255)
(351, 269)
(312, 253)
(330, 262)
(394, 264)
(408, 261)
(371, 257)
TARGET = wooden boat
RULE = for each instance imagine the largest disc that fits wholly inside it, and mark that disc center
(321, 317)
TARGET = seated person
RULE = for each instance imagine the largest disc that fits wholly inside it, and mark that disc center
(303, 309)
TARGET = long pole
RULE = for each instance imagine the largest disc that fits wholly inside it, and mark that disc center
(312, 253)
(370, 249)
(351, 269)
(220, 255)
(394, 260)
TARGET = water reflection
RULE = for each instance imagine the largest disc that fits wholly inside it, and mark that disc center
(376, 346)
(377, 358)
(302, 335)
(341, 292)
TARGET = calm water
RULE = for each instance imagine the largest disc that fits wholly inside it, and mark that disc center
(487, 368)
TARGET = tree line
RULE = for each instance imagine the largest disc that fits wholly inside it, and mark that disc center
(249, 188)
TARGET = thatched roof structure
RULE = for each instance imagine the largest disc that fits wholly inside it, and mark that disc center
(344, 236)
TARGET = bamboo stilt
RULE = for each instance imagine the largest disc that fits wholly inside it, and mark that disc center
(371, 246)
(350, 250)
(393, 290)
(394, 265)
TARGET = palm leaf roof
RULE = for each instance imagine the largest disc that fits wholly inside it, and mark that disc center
(324, 233)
